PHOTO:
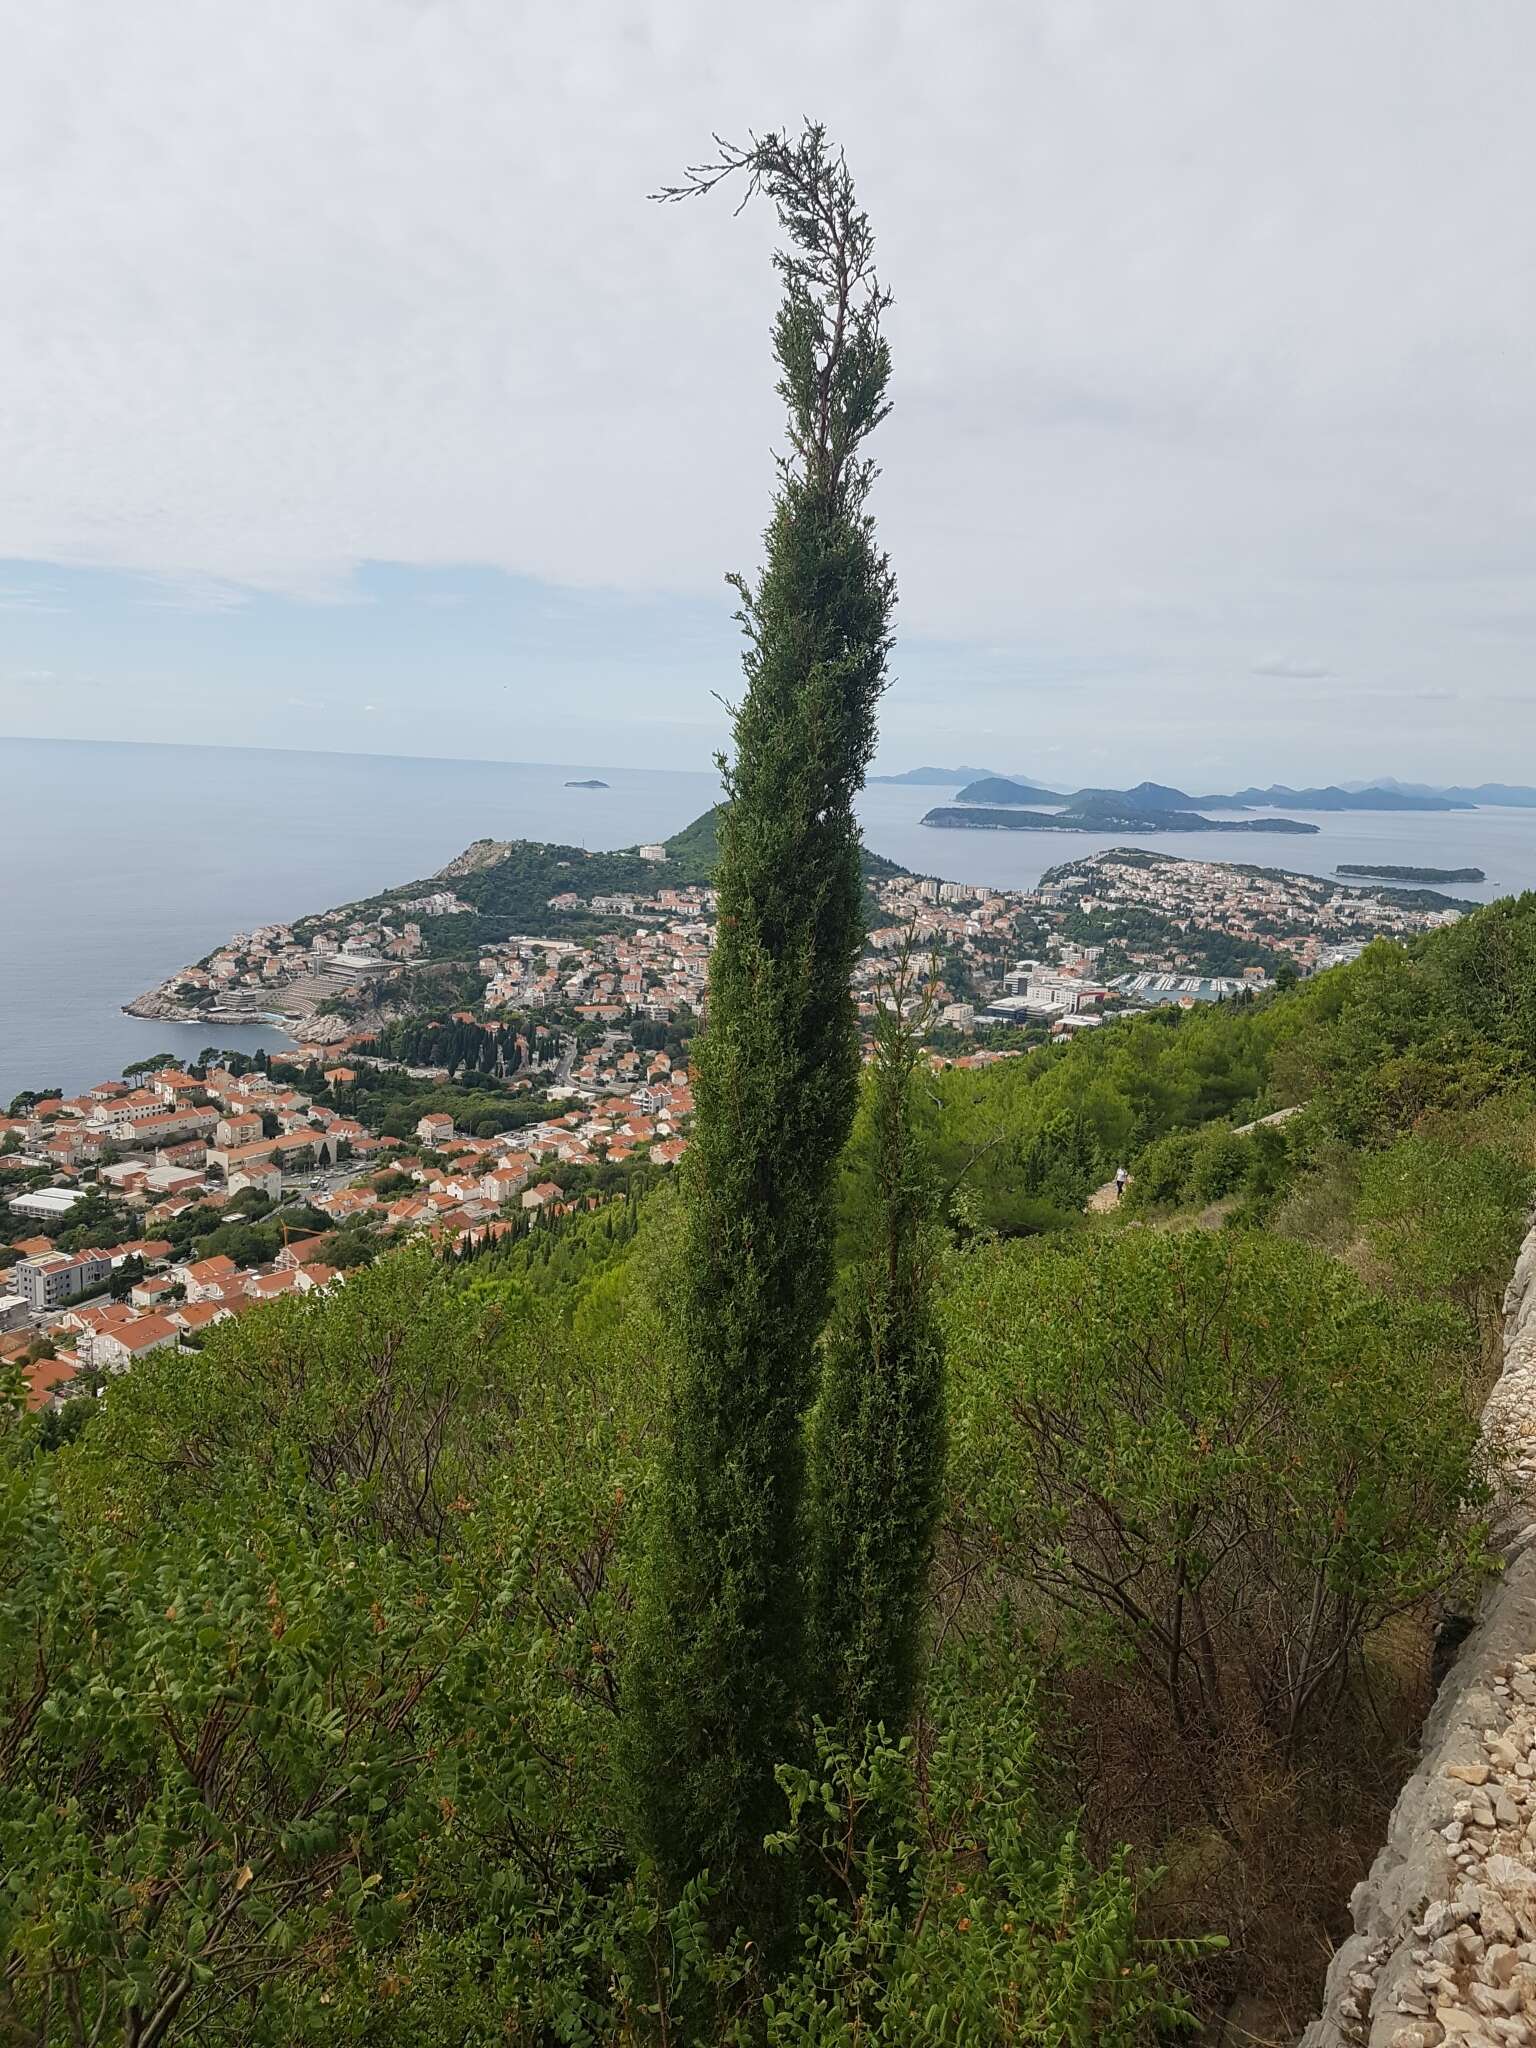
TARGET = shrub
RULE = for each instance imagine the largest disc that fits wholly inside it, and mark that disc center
(1162, 1171)
(1220, 1164)
(1221, 1457)
(1446, 1219)
(945, 1906)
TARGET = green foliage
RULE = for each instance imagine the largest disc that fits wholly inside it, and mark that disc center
(152, 1065)
(175, 1821)
(560, 1257)
(944, 1909)
(1025, 1141)
(1219, 1455)
(308, 1654)
(1131, 929)
(1060, 1161)
(694, 854)
(307, 1698)
(1399, 1035)
(1220, 1164)
(716, 1680)
(30, 1097)
(1195, 1167)
(1484, 972)
(876, 1441)
(1162, 1171)
(449, 1042)
(1446, 1218)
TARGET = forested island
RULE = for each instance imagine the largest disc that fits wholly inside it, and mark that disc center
(591, 782)
(1099, 815)
(1374, 873)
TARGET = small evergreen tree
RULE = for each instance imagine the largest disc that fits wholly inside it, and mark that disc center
(715, 1682)
(877, 1437)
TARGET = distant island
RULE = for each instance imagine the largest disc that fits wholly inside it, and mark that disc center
(1006, 789)
(1335, 799)
(1511, 795)
(938, 778)
(1384, 794)
(1392, 874)
(1160, 796)
(1101, 815)
(591, 783)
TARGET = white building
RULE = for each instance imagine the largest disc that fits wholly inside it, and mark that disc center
(48, 1203)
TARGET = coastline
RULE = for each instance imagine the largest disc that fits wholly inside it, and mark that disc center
(300, 1027)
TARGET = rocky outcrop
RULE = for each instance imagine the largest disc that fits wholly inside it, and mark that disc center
(153, 1005)
(328, 1030)
(481, 853)
(1444, 1948)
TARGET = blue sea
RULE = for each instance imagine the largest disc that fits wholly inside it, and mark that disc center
(119, 863)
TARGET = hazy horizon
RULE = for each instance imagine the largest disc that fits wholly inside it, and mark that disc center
(882, 769)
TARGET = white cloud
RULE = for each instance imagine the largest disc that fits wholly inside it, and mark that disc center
(1211, 327)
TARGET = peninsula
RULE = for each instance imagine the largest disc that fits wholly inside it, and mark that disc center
(1394, 874)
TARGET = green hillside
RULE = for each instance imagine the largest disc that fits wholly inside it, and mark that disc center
(510, 885)
(328, 1622)
(693, 852)
(886, 1584)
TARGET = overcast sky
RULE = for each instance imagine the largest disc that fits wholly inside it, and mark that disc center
(352, 395)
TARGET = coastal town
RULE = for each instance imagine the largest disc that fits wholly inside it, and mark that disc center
(119, 1193)
(320, 976)
(1123, 931)
(148, 1209)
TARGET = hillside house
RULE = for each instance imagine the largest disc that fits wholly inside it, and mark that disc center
(208, 1279)
(116, 1349)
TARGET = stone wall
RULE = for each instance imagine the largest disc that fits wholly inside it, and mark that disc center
(1444, 1948)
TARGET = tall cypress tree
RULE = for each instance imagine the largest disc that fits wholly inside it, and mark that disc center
(714, 1689)
(877, 1436)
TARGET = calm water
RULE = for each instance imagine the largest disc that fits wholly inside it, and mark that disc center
(1501, 842)
(120, 863)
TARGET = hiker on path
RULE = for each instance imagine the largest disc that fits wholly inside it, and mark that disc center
(1121, 1177)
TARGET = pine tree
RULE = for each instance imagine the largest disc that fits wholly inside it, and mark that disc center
(877, 1436)
(716, 1678)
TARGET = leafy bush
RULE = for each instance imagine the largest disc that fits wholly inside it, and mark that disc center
(945, 1909)
(1162, 1172)
(310, 1661)
(1220, 1165)
(1222, 1457)
(1447, 1218)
